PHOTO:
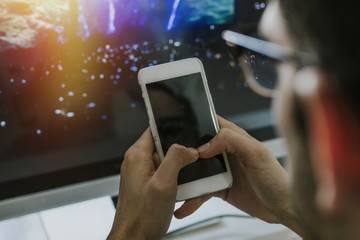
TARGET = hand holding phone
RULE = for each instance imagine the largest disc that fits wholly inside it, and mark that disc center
(181, 111)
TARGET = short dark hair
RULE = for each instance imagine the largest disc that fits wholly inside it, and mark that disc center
(330, 29)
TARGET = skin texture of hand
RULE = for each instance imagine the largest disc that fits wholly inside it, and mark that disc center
(148, 190)
(260, 184)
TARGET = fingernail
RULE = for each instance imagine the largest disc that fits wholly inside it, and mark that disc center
(204, 147)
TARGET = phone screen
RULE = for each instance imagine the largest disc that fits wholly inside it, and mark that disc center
(182, 115)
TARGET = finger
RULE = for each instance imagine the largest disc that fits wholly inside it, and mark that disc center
(190, 206)
(230, 125)
(176, 158)
(145, 142)
(141, 151)
(157, 160)
(230, 141)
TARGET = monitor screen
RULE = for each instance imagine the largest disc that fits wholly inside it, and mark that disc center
(70, 104)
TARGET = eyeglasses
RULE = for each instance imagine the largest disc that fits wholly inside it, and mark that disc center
(259, 60)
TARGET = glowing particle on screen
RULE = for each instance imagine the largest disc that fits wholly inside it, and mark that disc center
(89, 58)
(61, 99)
(134, 68)
(112, 76)
(115, 82)
(145, 52)
(71, 94)
(38, 131)
(212, 27)
(84, 70)
(131, 56)
(104, 117)
(23, 81)
(136, 46)
(259, 5)
(52, 66)
(172, 56)
(171, 41)
(145, 43)
(101, 76)
(133, 105)
(2, 123)
(166, 47)
(117, 76)
(217, 56)
(209, 54)
(107, 46)
(85, 61)
(104, 60)
(32, 69)
(154, 62)
(47, 72)
(12, 80)
(232, 64)
(84, 95)
(60, 67)
(91, 105)
(177, 44)
(99, 50)
(92, 77)
(119, 70)
(59, 112)
(106, 56)
(63, 85)
(126, 61)
(70, 114)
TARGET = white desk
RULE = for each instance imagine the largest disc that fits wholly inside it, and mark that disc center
(91, 220)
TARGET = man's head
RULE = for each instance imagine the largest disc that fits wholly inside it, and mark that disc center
(318, 109)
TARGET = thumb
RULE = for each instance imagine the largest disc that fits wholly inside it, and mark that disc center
(176, 158)
(190, 206)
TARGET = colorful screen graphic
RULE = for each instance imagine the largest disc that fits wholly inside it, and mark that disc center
(24, 23)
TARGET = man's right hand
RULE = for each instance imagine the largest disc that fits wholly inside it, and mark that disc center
(260, 184)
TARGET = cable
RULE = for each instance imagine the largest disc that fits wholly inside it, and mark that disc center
(205, 221)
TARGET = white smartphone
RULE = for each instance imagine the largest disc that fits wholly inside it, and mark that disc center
(181, 110)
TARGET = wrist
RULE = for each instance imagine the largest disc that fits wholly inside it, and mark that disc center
(291, 221)
(123, 230)
(294, 222)
(125, 235)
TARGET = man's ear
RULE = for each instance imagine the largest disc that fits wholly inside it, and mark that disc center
(334, 139)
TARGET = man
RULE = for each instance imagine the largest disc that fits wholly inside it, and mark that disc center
(317, 105)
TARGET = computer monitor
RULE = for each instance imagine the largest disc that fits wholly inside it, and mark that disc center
(70, 104)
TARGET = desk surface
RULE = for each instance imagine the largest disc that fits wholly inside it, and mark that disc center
(91, 220)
